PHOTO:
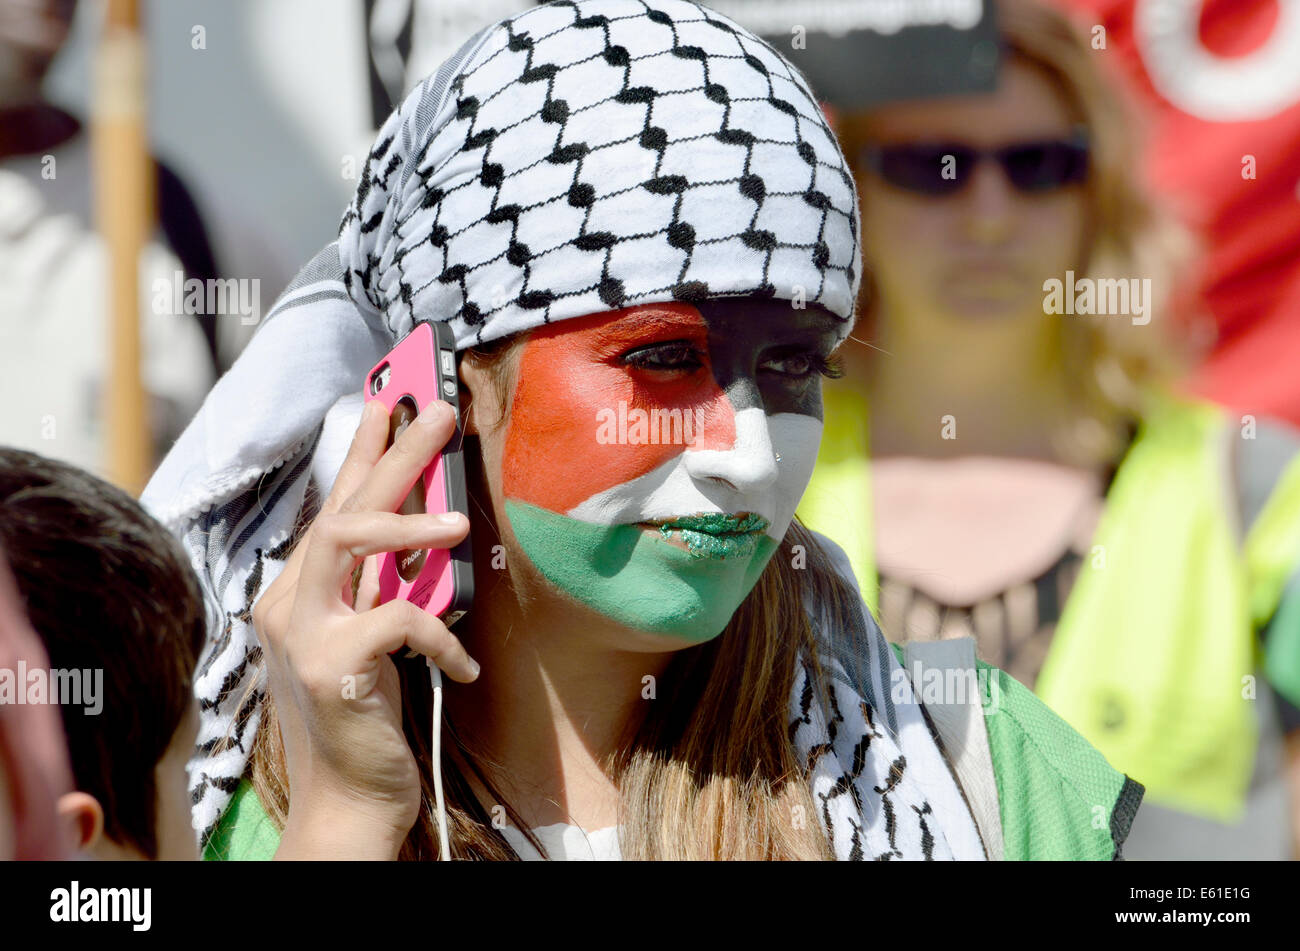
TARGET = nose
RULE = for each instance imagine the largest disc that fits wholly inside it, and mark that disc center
(988, 204)
(749, 465)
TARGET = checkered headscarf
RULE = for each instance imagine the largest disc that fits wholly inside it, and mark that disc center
(588, 156)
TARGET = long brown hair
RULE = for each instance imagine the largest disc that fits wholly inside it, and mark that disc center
(710, 772)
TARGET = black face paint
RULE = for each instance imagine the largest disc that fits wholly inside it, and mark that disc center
(747, 335)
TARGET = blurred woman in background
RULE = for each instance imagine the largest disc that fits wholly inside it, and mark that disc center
(1034, 480)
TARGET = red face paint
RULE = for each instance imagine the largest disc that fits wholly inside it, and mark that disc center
(571, 371)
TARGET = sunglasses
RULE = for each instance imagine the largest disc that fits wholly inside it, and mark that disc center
(945, 168)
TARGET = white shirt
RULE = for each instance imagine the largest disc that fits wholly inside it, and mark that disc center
(565, 842)
(54, 323)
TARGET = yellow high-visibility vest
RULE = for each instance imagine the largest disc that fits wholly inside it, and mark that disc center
(1154, 658)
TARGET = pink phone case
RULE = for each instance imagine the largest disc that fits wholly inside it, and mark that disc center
(421, 369)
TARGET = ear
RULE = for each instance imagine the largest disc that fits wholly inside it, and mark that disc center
(473, 383)
(466, 401)
(83, 817)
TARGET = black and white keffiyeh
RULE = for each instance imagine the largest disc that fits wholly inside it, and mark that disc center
(577, 158)
(592, 156)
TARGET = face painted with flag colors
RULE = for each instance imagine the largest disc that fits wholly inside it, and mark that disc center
(655, 456)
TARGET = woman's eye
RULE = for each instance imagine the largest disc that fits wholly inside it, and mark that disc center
(803, 365)
(672, 356)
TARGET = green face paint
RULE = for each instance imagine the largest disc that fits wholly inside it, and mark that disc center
(638, 577)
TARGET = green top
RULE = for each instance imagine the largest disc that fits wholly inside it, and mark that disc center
(245, 832)
(1058, 797)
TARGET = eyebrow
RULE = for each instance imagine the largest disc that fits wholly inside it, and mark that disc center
(812, 317)
(656, 322)
(825, 320)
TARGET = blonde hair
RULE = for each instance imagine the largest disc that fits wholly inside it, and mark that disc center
(1107, 362)
(710, 772)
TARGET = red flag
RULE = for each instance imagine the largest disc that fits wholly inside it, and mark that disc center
(1220, 82)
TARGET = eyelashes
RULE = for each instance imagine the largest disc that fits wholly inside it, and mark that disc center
(683, 356)
(812, 363)
(676, 355)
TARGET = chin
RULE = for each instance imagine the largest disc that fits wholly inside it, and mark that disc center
(986, 308)
(646, 642)
(672, 597)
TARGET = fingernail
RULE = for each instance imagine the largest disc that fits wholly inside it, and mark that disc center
(367, 411)
(448, 518)
(434, 413)
(474, 667)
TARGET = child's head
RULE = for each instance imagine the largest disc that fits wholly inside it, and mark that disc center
(122, 619)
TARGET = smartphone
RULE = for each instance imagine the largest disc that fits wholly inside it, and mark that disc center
(419, 370)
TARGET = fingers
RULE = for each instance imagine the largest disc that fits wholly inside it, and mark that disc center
(367, 447)
(369, 479)
(391, 478)
(401, 624)
(338, 540)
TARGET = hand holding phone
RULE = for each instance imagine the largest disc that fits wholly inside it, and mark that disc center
(355, 780)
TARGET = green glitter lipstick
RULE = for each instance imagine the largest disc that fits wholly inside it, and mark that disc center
(716, 534)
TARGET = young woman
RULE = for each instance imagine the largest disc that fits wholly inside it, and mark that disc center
(624, 210)
(1000, 411)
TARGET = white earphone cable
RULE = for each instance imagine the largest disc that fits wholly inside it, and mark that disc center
(435, 678)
